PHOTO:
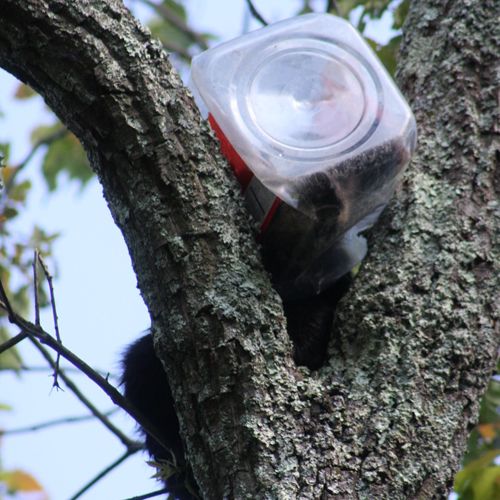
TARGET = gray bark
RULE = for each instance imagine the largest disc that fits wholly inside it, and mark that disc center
(416, 338)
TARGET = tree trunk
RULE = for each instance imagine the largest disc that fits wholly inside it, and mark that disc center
(416, 338)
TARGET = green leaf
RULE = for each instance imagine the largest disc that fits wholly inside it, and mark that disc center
(9, 359)
(19, 192)
(7, 173)
(466, 477)
(375, 9)
(400, 14)
(169, 34)
(22, 297)
(346, 6)
(388, 53)
(490, 403)
(306, 8)
(175, 39)
(9, 213)
(44, 133)
(486, 486)
(176, 7)
(24, 91)
(4, 153)
(66, 155)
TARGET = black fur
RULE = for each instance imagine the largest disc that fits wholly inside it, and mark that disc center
(146, 387)
(309, 323)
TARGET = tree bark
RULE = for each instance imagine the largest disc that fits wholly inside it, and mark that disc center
(416, 338)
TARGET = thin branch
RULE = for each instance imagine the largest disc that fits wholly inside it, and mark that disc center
(255, 13)
(67, 369)
(331, 5)
(35, 332)
(52, 423)
(48, 276)
(6, 303)
(153, 494)
(103, 473)
(170, 16)
(35, 288)
(12, 342)
(52, 296)
(126, 441)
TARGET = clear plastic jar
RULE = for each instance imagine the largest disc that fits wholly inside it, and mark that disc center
(318, 135)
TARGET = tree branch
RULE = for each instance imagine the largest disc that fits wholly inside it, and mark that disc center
(48, 277)
(35, 287)
(255, 13)
(192, 285)
(67, 369)
(52, 423)
(38, 337)
(12, 341)
(102, 474)
(128, 443)
(153, 494)
(417, 336)
(5, 303)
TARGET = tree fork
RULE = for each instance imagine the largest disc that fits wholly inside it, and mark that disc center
(417, 337)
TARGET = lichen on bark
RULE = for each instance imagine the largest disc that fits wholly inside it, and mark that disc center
(416, 337)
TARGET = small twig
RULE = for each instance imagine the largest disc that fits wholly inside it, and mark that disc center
(101, 474)
(52, 423)
(35, 287)
(126, 441)
(52, 296)
(48, 276)
(35, 332)
(153, 494)
(255, 13)
(12, 342)
(67, 369)
(6, 304)
(331, 5)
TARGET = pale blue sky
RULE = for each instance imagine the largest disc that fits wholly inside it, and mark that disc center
(99, 307)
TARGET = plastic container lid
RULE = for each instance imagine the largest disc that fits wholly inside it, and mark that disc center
(300, 97)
